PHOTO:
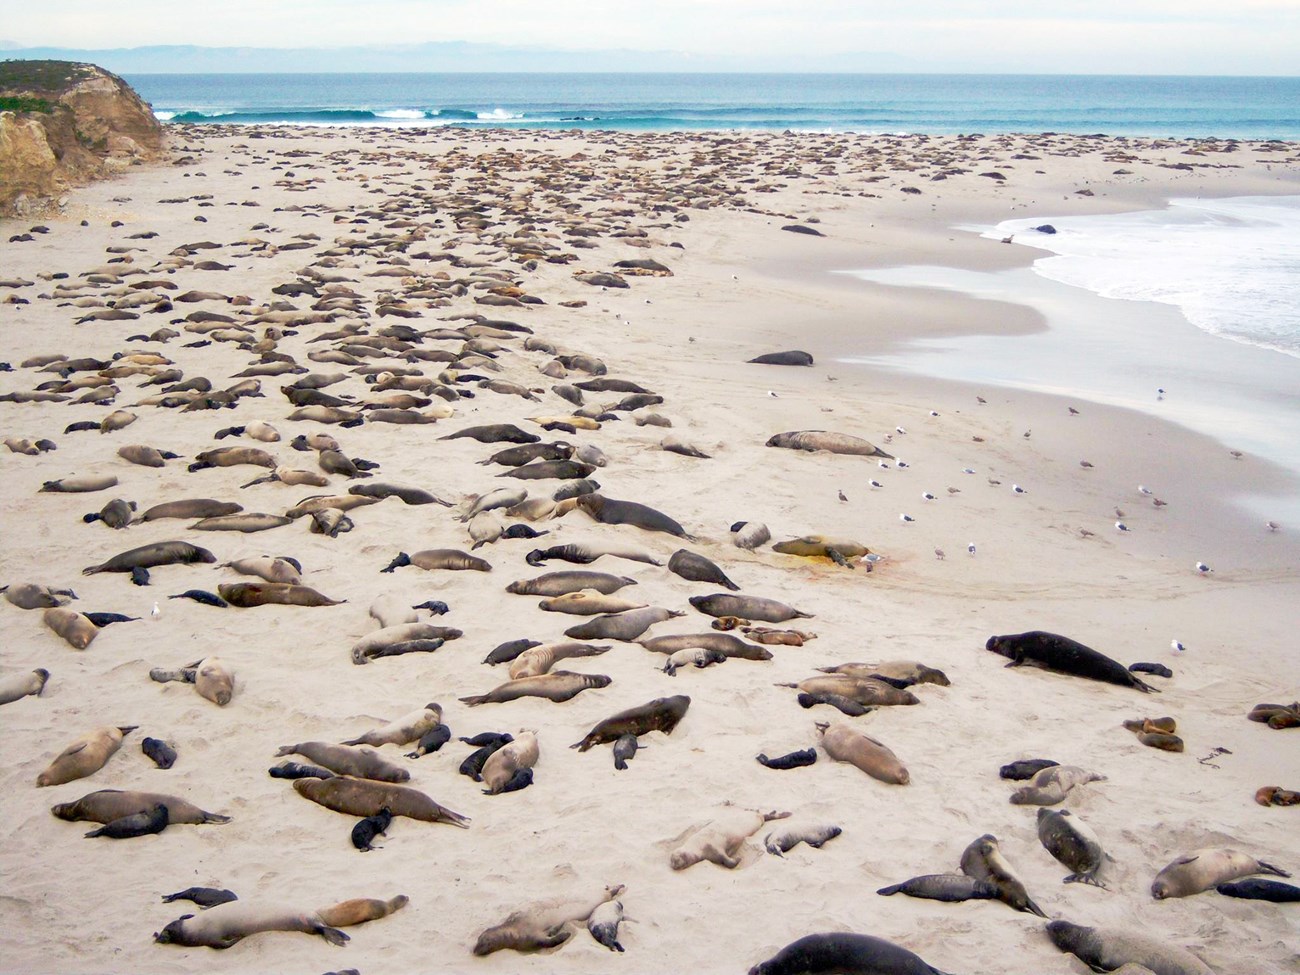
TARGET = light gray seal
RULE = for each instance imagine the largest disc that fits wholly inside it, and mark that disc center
(1106, 950)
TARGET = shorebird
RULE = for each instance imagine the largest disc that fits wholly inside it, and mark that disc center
(1177, 647)
(1203, 569)
(1084, 533)
(1120, 526)
(1073, 411)
(1026, 434)
(1118, 513)
(968, 470)
(883, 465)
(1271, 525)
(938, 554)
(927, 496)
(933, 413)
(981, 400)
(1018, 489)
(842, 497)
(771, 394)
(155, 613)
(875, 484)
(1143, 489)
(1085, 463)
(971, 548)
(1158, 503)
(906, 518)
(1236, 454)
(900, 464)
(1160, 393)
(900, 431)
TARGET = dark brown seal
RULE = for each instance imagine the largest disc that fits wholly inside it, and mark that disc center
(661, 714)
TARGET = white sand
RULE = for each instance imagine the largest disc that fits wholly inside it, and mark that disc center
(71, 904)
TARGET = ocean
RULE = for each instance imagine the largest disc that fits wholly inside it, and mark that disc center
(1177, 107)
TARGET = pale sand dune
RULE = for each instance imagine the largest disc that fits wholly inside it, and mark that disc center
(72, 904)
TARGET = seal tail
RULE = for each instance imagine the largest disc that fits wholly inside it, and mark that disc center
(802, 616)
(1269, 868)
(92, 570)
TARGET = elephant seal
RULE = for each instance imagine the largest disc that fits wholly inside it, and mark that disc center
(1106, 950)
(793, 760)
(696, 568)
(116, 514)
(107, 805)
(18, 686)
(625, 750)
(573, 580)
(364, 832)
(503, 653)
(661, 714)
(864, 691)
(1063, 655)
(1261, 890)
(747, 607)
(1051, 785)
(541, 926)
(559, 470)
(692, 656)
(540, 659)
(268, 569)
(440, 558)
(365, 797)
(950, 887)
(603, 924)
(361, 763)
(794, 358)
(584, 553)
(408, 495)
(214, 681)
(558, 686)
(82, 484)
(158, 752)
(911, 671)
(149, 556)
(232, 457)
(518, 456)
(983, 860)
(819, 546)
(191, 508)
(750, 534)
(400, 633)
(403, 730)
(495, 433)
(608, 511)
(246, 522)
(431, 741)
(85, 756)
(1202, 869)
(835, 443)
(29, 595)
(1025, 768)
(136, 824)
(783, 841)
(392, 610)
(1073, 843)
(587, 603)
(75, 628)
(485, 744)
(296, 770)
(228, 924)
(846, 744)
(853, 954)
(203, 896)
(625, 626)
(508, 760)
(250, 594)
(838, 701)
(720, 839)
(360, 910)
(725, 643)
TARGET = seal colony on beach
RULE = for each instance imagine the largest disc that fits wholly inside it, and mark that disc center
(323, 430)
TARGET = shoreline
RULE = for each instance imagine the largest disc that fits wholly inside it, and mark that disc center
(278, 202)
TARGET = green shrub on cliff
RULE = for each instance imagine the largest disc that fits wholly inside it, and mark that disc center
(24, 104)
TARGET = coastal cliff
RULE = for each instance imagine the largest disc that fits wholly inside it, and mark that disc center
(61, 123)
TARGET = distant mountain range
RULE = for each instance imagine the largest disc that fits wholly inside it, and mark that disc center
(448, 56)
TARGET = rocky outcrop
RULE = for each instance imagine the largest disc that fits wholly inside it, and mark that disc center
(62, 123)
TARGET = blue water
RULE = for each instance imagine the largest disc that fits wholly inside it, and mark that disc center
(1180, 107)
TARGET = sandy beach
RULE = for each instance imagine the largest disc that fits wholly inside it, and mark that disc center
(417, 227)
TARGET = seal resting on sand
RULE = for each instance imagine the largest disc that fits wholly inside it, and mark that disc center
(844, 953)
(543, 925)
(835, 443)
(227, 924)
(1065, 656)
(1106, 950)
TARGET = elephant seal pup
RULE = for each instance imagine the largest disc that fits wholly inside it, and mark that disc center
(864, 691)
(246, 522)
(1063, 655)
(749, 534)
(136, 824)
(359, 910)
(543, 925)
(232, 457)
(511, 758)
(1202, 869)
(495, 433)
(625, 626)
(559, 686)
(1025, 768)
(431, 741)
(296, 770)
(724, 643)
(587, 603)
(838, 701)
(793, 760)
(29, 595)
(1261, 890)
(364, 832)
(228, 924)
(608, 511)
(191, 508)
(783, 841)
(661, 714)
(250, 594)
(365, 797)
(87, 755)
(846, 744)
(983, 860)
(747, 607)
(149, 556)
(1073, 843)
(696, 568)
(361, 763)
(950, 887)
(403, 730)
(584, 553)
(81, 484)
(504, 653)
(214, 681)
(18, 686)
(440, 558)
(835, 443)
(158, 752)
(116, 514)
(573, 580)
(540, 659)
(75, 628)
(203, 896)
(1052, 785)
(858, 954)
(268, 569)
(1106, 950)
(107, 805)
(694, 655)
(603, 924)
(400, 633)
(720, 839)
(625, 750)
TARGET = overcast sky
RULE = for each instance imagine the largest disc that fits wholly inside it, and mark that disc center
(1085, 36)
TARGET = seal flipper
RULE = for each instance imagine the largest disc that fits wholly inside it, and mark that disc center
(1269, 868)
(333, 935)
(401, 559)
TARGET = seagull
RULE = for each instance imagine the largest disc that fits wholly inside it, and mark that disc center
(1271, 525)
(1073, 411)
(1084, 533)
(842, 497)
(1143, 489)
(1026, 434)
(906, 518)
(981, 400)
(933, 413)
(1203, 569)
(938, 554)
(771, 394)
(647, 301)
(1085, 463)
(994, 481)
(968, 470)
(155, 613)
(1177, 647)
(927, 496)
(883, 465)
(971, 548)
(1236, 454)
(1160, 393)
(901, 464)
(1158, 503)
(1018, 489)
(1120, 526)
(900, 431)
(875, 484)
